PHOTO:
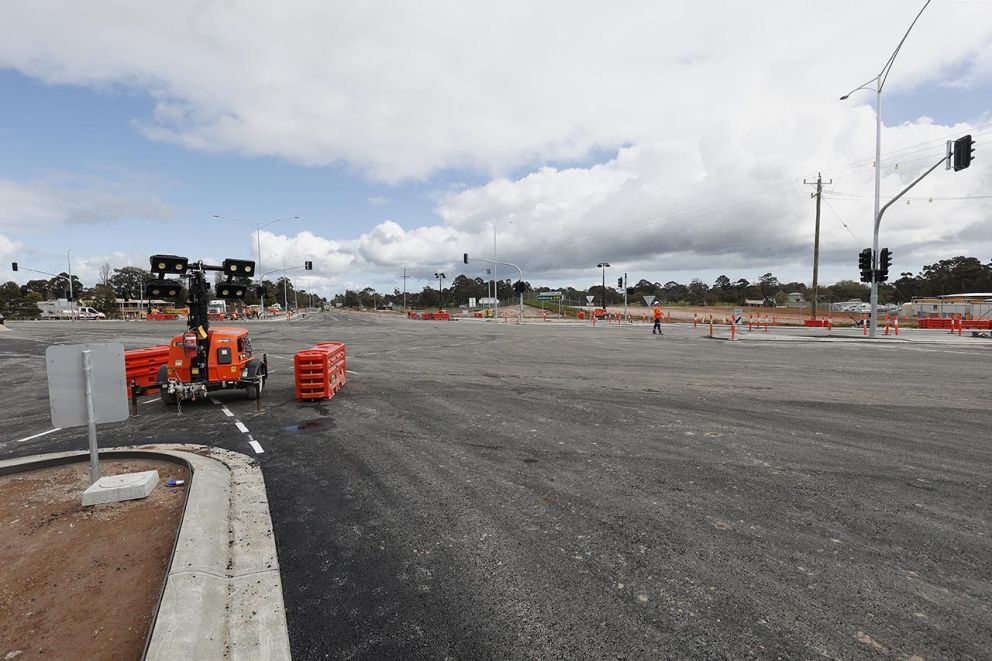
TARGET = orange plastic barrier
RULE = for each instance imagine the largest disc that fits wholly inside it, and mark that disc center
(321, 371)
(141, 365)
(816, 323)
(161, 316)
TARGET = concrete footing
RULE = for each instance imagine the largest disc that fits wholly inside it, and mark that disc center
(115, 488)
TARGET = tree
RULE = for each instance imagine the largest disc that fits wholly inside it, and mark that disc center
(15, 305)
(129, 282)
(697, 291)
(105, 300)
(105, 274)
(59, 285)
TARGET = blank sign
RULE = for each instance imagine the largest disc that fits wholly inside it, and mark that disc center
(67, 384)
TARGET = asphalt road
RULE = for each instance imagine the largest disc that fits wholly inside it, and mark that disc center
(485, 490)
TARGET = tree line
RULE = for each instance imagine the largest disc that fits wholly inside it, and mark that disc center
(127, 283)
(949, 276)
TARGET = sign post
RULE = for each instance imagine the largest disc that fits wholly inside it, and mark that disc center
(86, 386)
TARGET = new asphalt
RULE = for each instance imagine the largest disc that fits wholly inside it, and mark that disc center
(482, 490)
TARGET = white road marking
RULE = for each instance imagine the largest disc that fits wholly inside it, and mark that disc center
(149, 401)
(256, 447)
(241, 426)
(44, 433)
(227, 411)
(350, 372)
(215, 401)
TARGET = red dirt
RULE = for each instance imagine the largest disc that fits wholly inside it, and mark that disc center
(82, 583)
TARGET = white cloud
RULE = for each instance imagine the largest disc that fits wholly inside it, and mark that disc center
(31, 206)
(709, 116)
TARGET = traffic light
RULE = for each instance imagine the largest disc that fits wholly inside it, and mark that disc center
(13, 266)
(619, 283)
(308, 265)
(239, 267)
(964, 150)
(864, 264)
(464, 257)
(173, 264)
(884, 262)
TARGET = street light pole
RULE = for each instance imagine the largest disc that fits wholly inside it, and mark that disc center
(604, 266)
(879, 81)
(72, 301)
(440, 300)
(259, 226)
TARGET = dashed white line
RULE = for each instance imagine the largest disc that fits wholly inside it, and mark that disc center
(350, 372)
(241, 426)
(227, 411)
(149, 401)
(256, 447)
(44, 433)
(215, 401)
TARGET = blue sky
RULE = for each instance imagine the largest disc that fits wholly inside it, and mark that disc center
(443, 151)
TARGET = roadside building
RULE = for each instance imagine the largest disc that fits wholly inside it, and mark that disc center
(795, 300)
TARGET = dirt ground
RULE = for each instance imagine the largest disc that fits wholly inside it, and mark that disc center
(82, 583)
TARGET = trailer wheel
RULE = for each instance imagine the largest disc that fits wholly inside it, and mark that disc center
(254, 390)
(169, 399)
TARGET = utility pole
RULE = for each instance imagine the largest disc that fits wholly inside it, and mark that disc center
(816, 236)
(405, 276)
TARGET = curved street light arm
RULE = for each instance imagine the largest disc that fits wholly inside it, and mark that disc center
(892, 58)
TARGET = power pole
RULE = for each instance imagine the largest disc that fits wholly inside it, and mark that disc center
(816, 237)
(405, 276)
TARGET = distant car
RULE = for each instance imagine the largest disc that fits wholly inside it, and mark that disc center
(90, 313)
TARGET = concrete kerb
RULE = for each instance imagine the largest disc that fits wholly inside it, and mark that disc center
(223, 592)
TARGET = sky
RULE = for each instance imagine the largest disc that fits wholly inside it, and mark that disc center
(671, 140)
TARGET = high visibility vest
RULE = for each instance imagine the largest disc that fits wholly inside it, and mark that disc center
(657, 313)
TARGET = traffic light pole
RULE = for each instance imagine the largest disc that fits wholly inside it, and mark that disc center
(493, 261)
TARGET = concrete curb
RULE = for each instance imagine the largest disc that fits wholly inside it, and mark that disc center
(223, 592)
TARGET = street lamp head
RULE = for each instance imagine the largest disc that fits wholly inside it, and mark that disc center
(844, 98)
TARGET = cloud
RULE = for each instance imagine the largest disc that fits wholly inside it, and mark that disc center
(403, 90)
(31, 206)
(378, 200)
(661, 137)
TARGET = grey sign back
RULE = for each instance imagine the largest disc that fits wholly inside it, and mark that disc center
(67, 383)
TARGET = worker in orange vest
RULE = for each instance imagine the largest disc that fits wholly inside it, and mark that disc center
(657, 320)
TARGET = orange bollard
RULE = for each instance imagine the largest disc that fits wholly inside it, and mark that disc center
(711, 326)
(733, 331)
(766, 323)
(886, 325)
(695, 321)
(750, 323)
(864, 324)
(830, 322)
(960, 326)
(897, 326)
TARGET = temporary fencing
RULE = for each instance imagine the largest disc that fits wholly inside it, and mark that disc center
(321, 371)
(141, 366)
(161, 316)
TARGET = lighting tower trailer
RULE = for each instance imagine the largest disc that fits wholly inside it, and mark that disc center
(205, 358)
